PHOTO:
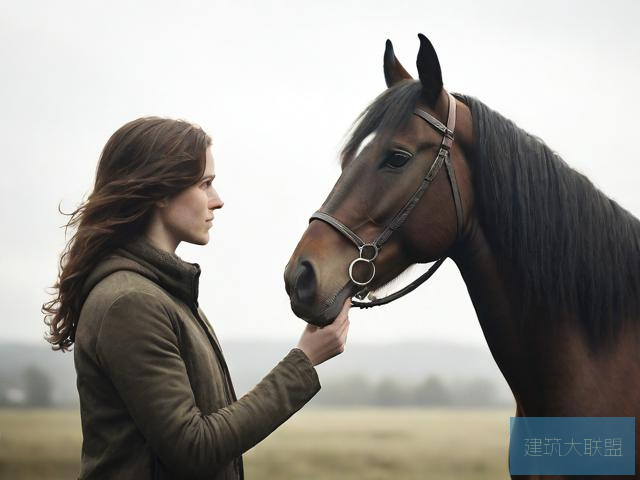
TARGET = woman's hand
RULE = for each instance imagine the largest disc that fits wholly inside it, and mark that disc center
(322, 343)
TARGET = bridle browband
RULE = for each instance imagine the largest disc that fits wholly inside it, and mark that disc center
(369, 251)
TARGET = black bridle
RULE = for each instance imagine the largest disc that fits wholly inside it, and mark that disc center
(369, 251)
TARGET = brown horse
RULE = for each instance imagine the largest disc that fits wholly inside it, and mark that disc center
(551, 264)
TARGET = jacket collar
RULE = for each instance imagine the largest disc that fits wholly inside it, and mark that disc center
(167, 270)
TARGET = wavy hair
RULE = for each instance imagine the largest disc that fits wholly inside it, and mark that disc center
(144, 161)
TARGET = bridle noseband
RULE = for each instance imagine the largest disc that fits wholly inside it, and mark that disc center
(369, 251)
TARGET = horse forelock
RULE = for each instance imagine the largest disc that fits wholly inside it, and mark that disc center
(383, 117)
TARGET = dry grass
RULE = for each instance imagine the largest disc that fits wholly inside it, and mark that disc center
(38, 444)
(316, 444)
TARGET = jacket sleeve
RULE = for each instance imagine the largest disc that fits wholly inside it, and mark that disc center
(138, 348)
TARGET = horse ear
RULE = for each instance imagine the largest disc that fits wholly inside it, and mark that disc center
(429, 70)
(394, 72)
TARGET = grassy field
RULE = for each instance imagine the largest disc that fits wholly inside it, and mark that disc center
(316, 444)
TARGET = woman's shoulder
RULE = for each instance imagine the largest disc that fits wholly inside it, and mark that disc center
(126, 283)
(119, 278)
(123, 292)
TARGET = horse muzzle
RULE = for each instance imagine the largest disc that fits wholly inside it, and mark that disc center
(301, 284)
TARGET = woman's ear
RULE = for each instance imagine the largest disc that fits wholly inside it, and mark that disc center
(164, 203)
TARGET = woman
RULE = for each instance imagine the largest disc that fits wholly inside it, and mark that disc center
(156, 399)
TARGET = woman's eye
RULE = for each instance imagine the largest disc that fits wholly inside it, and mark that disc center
(397, 159)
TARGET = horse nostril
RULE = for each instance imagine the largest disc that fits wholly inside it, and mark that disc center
(304, 287)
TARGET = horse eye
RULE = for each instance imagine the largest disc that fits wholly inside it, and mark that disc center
(397, 159)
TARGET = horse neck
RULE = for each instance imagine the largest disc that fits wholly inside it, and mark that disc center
(546, 361)
(495, 299)
(492, 297)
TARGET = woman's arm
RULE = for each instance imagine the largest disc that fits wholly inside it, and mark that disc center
(138, 349)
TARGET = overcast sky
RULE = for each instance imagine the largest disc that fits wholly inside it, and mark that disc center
(277, 84)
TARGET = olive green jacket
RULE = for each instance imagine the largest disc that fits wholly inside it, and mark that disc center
(156, 398)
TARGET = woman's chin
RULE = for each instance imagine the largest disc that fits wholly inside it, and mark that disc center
(198, 240)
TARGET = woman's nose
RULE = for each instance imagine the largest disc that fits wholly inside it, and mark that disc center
(215, 202)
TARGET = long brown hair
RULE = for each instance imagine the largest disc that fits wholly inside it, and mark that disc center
(144, 161)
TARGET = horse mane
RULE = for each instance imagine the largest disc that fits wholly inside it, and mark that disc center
(573, 250)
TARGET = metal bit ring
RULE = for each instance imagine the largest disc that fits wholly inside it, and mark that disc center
(373, 271)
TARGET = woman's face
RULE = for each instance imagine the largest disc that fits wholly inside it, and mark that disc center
(188, 216)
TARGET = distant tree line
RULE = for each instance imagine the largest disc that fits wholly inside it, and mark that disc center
(30, 388)
(431, 392)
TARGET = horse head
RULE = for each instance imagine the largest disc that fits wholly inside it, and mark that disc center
(400, 140)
